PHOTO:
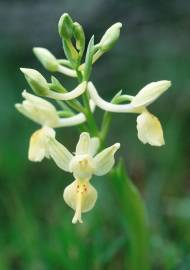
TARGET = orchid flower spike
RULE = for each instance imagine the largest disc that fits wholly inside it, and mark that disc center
(44, 113)
(80, 195)
(148, 126)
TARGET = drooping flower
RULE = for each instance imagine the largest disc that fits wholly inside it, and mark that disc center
(44, 113)
(149, 129)
(148, 126)
(38, 147)
(80, 195)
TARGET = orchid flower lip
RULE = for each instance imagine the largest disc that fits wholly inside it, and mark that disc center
(81, 196)
(38, 147)
(149, 129)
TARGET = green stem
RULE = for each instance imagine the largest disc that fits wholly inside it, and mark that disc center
(106, 122)
(105, 126)
(87, 111)
(89, 116)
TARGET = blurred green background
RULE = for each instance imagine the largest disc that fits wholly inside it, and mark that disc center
(35, 223)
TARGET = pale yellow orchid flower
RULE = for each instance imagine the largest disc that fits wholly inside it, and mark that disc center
(80, 195)
(148, 126)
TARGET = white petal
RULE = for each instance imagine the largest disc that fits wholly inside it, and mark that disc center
(107, 106)
(150, 93)
(78, 91)
(104, 161)
(59, 153)
(82, 166)
(83, 144)
(94, 145)
(81, 197)
(37, 100)
(38, 147)
(149, 129)
(38, 110)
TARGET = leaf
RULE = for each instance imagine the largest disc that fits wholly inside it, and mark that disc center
(135, 219)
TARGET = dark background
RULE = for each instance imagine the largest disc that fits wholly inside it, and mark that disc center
(35, 224)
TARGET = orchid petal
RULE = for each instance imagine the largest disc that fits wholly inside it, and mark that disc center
(38, 147)
(149, 129)
(59, 153)
(83, 144)
(94, 145)
(150, 93)
(104, 161)
(38, 110)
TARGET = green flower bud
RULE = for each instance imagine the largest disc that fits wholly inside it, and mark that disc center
(36, 81)
(47, 59)
(65, 26)
(110, 37)
(71, 53)
(78, 33)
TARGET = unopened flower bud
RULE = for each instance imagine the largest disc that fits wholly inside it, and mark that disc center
(47, 59)
(36, 81)
(79, 36)
(150, 93)
(110, 37)
(65, 26)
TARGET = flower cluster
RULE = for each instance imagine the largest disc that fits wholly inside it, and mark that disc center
(77, 108)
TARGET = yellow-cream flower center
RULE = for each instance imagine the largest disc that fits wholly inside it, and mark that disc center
(82, 166)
